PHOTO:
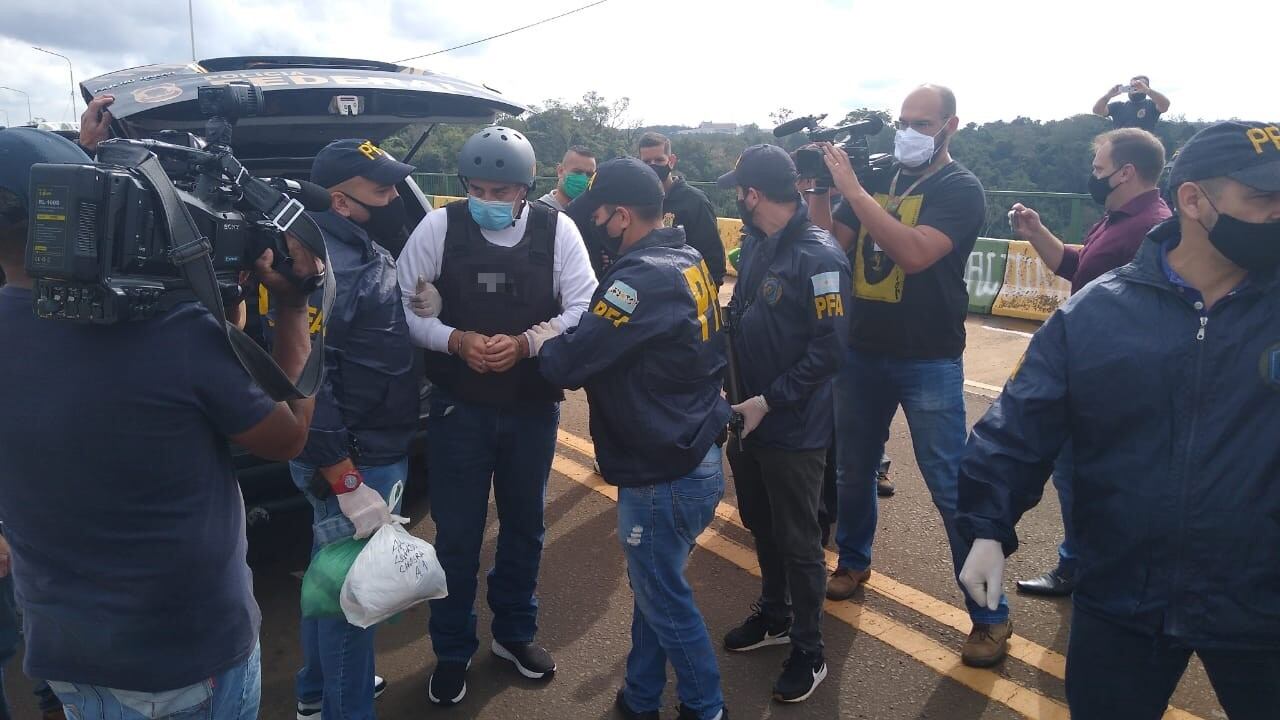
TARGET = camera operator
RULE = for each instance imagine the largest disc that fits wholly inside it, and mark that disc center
(910, 234)
(118, 494)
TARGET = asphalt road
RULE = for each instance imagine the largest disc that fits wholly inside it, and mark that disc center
(892, 652)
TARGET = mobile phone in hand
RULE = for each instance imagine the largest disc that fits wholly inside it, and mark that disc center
(1127, 88)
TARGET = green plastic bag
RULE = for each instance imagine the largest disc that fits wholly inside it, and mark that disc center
(734, 254)
(322, 583)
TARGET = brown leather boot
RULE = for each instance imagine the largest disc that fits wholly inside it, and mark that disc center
(843, 583)
(987, 644)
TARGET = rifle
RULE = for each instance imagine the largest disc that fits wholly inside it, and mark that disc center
(733, 387)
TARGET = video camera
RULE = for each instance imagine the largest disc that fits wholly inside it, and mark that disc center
(102, 247)
(810, 162)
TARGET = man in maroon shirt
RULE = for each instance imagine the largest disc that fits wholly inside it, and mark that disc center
(1126, 167)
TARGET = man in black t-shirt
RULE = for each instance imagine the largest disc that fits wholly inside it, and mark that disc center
(909, 234)
(1144, 108)
(685, 205)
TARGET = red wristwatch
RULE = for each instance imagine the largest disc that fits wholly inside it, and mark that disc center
(348, 481)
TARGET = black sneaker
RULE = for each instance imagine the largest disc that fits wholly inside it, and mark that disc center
(758, 631)
(531, 660)
(448, 683)
(311, 711)
(625, 711)
(801, 675)
(687, 714)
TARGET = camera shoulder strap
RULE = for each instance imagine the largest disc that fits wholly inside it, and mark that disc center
(189, 251)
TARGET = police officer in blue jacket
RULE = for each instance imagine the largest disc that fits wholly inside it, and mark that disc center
(789, 331)
(366, 409)
(1166, 375)
(651, 354)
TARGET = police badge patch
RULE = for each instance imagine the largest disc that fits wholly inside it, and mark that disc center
(1269, 367)
(771, 290)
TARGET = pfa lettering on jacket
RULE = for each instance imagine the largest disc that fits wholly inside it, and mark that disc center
(826, 295)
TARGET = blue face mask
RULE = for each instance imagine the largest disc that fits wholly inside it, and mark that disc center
(492, 214)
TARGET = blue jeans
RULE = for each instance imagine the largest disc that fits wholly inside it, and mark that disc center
(1063, 468)
(337, 657)
(469, 449)
(233, 694)
(658, 526)
(868, 391)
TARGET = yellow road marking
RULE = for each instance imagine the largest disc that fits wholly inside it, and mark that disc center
(982, 389)
(920, 647)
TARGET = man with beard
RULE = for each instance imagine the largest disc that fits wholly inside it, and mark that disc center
(685, 205)
(910, 231)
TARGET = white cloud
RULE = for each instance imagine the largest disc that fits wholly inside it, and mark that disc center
(684, 61)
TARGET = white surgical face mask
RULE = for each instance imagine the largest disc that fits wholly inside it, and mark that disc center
(912, 148)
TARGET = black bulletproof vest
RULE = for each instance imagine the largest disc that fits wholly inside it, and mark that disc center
(495, 290)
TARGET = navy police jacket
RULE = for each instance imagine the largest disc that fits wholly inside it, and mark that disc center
(1174, 416)
(791, 330)
(651, 355)
(367, 407)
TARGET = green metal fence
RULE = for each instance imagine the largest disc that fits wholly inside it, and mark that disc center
(1068, 215)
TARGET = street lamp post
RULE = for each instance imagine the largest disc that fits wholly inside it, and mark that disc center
(24, 92)
(70, 73)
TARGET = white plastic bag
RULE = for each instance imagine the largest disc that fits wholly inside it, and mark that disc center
(394, 572)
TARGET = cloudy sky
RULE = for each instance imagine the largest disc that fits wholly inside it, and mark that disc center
(686, 61)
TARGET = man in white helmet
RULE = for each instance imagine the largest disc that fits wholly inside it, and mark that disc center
(502, 265)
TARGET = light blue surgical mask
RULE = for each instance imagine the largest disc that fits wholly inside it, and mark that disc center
(492, 214)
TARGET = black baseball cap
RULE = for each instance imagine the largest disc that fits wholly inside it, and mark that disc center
(622, 181)
(22, 147)
(1247, 152)
(342, 160)
(767, 168)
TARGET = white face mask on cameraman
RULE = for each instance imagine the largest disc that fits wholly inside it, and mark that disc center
(912, 148)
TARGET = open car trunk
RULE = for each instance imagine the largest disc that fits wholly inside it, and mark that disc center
(308, 101)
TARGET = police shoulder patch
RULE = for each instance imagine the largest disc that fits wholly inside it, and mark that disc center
(622, 296)
(1269, 367)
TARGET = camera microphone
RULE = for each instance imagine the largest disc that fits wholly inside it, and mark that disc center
(791, 127)
(313, 197)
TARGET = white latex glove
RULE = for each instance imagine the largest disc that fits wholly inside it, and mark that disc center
(753, 410)
(540, 333)
(366, 509)
(426, 301)
(983, 573)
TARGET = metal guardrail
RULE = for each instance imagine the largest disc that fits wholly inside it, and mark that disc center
(1066, 214)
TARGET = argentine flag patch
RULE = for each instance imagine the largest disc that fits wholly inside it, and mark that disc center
(622, 296)
(826, 283)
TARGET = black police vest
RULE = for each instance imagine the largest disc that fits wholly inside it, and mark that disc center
(495, 290)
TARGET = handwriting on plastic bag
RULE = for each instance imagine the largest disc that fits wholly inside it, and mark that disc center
(409, 556)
